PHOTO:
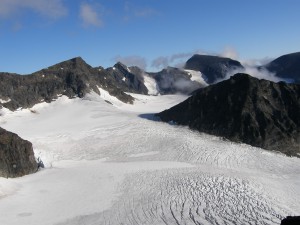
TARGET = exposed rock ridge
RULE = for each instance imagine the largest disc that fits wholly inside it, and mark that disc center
(127, 80)
(244, 109)
(71, 78)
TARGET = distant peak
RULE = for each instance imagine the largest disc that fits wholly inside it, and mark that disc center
(119, 64)
(77, 60)
(72, 63)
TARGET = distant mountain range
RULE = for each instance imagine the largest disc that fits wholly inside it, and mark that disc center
(244, 109)
(75, 77)
(215, 68)
(71, 78)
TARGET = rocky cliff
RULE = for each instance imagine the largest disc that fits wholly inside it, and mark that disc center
(16, 155)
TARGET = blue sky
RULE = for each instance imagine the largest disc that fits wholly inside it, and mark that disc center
(149, 33)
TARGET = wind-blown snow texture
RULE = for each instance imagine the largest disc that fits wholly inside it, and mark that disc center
(109, 164)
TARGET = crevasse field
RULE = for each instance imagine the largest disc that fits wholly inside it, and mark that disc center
(109, 164)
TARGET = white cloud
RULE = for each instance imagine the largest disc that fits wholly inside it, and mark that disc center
(254, 72)
(52, 9)
(161, 62)
(229, 52)
(90, 16)
(177, 59)
(132, 61)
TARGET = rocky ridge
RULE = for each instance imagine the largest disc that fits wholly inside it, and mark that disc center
(128, 79)
(71, 78)
(244, 109)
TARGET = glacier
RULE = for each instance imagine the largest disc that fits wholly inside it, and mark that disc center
(111, 164)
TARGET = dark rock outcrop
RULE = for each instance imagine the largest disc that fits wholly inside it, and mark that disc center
(291, 220)
(173, 80)
(71, 78)
(129, 79)
(214, 68)
(245, 109)
(286, 67)
(16, 155)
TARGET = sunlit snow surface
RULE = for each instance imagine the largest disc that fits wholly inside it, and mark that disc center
(110, 164)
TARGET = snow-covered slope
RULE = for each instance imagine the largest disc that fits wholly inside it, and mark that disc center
(197, 76)
(109, 164)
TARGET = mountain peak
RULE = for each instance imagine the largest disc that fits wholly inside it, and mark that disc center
(121, 66)
(71, 64)
(212, 67)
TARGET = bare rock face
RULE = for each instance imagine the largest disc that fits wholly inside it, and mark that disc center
(245, 109)
(16, 155)
(129, 79)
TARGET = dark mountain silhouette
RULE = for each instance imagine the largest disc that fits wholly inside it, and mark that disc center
(244, 109)
(214, 68)
(286, 67)
(71, 78)
(16, 155)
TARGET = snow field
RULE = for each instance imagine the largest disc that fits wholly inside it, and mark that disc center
(109, 164)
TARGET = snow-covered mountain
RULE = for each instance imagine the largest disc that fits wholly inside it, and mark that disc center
(75, 77)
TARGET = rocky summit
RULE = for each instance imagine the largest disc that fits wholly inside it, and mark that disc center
(128, 79)
(16, 155)
(245, 109)
(214, 68)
